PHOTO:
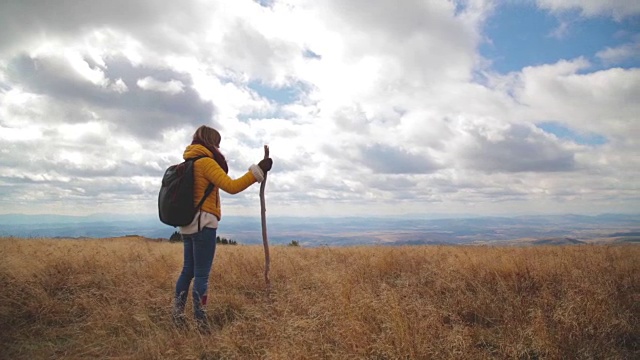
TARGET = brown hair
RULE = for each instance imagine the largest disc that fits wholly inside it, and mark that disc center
(207, 136)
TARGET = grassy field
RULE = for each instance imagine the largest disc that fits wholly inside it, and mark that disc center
(111, 298)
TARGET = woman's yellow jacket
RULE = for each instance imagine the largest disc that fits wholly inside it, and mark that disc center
(207, 170)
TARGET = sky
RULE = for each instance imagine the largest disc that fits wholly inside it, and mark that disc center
(370, 108)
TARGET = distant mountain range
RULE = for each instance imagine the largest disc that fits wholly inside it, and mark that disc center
(530, 230)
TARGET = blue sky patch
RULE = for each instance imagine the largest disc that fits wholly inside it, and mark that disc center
(265, 3)
(311, 55)
(564, 132)
(281, 95)
(519, 34)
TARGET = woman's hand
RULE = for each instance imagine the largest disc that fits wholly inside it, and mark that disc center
(265, 165)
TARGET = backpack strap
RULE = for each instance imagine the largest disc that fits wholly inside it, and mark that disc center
(207, 192)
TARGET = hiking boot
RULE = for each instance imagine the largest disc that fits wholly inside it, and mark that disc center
(203, 326)
(180, 321)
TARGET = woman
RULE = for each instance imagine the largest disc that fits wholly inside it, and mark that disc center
(200, 236)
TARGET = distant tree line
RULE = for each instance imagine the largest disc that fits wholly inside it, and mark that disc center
(177, 237)
(225, 241)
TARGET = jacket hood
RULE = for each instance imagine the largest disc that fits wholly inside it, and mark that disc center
(196, 150)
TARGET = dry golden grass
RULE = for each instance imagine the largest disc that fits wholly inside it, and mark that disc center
(111, 298)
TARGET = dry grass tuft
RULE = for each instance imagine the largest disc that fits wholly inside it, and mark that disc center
(111, 298)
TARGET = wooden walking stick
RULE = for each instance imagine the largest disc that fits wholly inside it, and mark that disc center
(263, 210)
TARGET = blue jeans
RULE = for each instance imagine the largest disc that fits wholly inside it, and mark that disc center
(199, 250)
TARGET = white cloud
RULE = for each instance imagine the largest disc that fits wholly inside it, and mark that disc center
(561, 31)
(20, 134)
(600, 102)
(93, 75)
(170, 87)
(617, 8)
(119, 86)
(388, 119)
(619, 54)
